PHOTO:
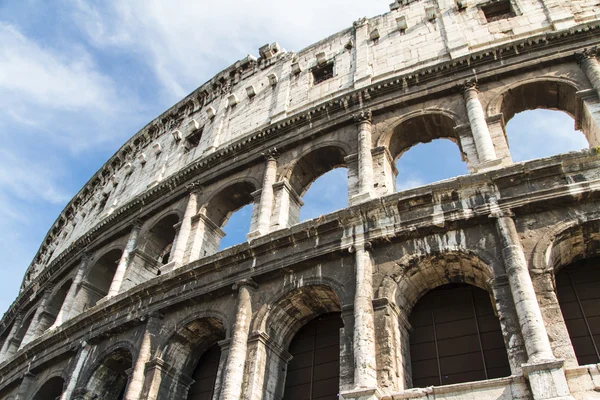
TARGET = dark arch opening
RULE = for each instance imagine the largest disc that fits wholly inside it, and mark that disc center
(190, 351)
(99, 278)
(536, 120)
(314, 370)
(205, 374)
(456, 337)
(109, 379)
(54, 306)
(158, 241)
(51, 390)
(579, 299)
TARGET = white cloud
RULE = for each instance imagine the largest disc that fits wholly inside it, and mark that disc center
(188, 42)
(541, 133)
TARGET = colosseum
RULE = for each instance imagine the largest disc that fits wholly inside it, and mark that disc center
(484, 286)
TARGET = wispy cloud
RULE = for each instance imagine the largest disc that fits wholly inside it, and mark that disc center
(188, 42)
(541, 133)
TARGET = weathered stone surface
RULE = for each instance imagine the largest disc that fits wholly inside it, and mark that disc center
(128, 289)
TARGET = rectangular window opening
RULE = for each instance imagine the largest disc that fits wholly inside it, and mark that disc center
(497, 10)
(193, 139)
(322, 73)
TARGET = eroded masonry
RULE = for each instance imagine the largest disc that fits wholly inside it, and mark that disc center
(485, 286)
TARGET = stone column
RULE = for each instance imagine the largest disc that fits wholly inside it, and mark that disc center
(365, 159)
(234, 373)
(589, 64)
(286, 205)
(81, 359)
(65, 310)
(30, 335)
(25, 386)
(6, 351)
(147, 348)
(545, 373)
(185, 228)
(265, 206)
(117, 281)
(365, 365)
(479, 128)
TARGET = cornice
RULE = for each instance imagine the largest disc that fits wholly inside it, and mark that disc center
(348, 102)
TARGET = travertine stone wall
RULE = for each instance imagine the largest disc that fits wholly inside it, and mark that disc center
(134, 261)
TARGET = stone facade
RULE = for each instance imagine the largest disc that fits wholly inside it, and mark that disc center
(128, 289)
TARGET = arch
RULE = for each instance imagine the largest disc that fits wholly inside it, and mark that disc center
(416, 274)
(184, 350)
(567, 242)
(421, 126)
(550, 93)
(227, 200)
(98, 278)
(314, 369)
(109, 377)
(533, 93)
(52, 389)
(54, 305)
(297, 307)
(157, 241)
(579, 300)
(456, 337)
(314, 163)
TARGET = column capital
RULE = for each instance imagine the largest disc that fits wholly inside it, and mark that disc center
(468, 86)
(271, 154)
(194, 187)
(501, 213)
(245, 282)
(586, 54)
(137, 223)
(360, 246)
(364, 116)
(154, 316)
(86, 255)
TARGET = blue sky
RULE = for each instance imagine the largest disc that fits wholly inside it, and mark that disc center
(78, 78)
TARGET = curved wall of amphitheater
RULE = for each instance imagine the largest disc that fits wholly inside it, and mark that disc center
(129, 297)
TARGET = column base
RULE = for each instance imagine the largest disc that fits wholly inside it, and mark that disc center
(361, 394)
(547, 380)
(254, 234)
(488, 165)
(173, 265)
(361, 198)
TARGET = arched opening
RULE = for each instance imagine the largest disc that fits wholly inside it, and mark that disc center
(14, 344)
(307, 322)
(579, 299)
(51, 390)
(193, 353)
(328, 193)
(109, 379)
(426, 163)
(318, 184)
(99, 278)
(535, 125)
(205, 374)
(217, 212)
(52, 310)
(456, 337)
(236, 227)
(542, 133)
(419, 157)
(158, 242)
(314, 370)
